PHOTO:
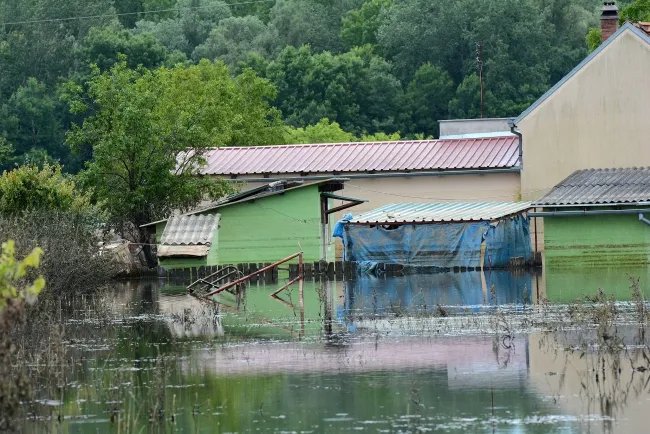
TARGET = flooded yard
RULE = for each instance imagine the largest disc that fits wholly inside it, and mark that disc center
(452, 352)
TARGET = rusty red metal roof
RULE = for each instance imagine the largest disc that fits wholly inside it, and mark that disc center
(395, 156)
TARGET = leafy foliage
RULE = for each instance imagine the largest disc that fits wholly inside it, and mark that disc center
(12, 273)
(428, 96)
(103, 46)
(143, 119)
(29, 188)
(594, 38)
(360, 26)
(638, 10)
(234, 39)
(371, 66)
(331, 132)
(355, 89)
(322, 132)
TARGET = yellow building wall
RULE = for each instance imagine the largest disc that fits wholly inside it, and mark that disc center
(599, 118)
(497, 187)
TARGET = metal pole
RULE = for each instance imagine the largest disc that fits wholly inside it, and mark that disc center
(286, 286)
(302, 298)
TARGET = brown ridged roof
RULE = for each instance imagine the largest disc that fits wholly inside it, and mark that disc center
(412, 155)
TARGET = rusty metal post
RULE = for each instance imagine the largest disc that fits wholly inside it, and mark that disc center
(301, 293)
(260, 271)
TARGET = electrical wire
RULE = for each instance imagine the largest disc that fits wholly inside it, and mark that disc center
(121, 14)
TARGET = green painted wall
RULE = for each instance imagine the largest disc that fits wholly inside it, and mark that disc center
(596, 241)
(269, 229)
(264, 230)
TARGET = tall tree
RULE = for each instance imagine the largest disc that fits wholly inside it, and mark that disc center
(199, 17)
(31, 121)
(313, 22)
(428, 97)
(638, 10)
(39, 38)
(234, 39)
(103, 45)
(169, 32)
(360, 26)
(150, 130)
(355, 89)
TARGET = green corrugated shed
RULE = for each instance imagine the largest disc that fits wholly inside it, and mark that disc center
(598, 218)
(596, 241)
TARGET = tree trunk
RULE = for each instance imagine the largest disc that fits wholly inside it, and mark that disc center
(148, 241)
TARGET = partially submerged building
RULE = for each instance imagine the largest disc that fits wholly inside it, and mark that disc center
(594, 117)
(598, 217)
(444, 235)
(263, 224)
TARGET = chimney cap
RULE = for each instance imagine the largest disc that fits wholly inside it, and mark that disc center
(609, 11)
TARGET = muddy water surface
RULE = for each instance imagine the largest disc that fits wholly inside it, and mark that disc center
(462, 352)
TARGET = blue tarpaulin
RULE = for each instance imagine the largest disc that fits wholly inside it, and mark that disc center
(444, 245)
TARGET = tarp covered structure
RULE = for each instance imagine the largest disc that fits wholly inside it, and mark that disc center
(440, 235)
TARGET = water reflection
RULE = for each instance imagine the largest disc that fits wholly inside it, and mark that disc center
(369, 294)
(154, 359)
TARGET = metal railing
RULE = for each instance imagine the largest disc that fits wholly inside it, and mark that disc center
(243, 279)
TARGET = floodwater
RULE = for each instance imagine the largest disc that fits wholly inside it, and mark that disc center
(453, 352)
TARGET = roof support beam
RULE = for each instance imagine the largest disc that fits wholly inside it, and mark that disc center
(386, 175)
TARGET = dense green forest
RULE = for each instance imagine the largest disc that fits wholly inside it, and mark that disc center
(340, 69)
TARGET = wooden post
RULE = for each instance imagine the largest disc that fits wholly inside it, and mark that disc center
(309, 270)
(330, 270)
(268, 274)
(252, 268)
(338, 270)
(347, 270)
(274, 274)
(293, 271)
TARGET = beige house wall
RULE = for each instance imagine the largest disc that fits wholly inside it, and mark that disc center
(497, 187)
(599, 118)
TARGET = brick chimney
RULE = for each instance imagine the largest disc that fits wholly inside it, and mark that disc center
(609, 19)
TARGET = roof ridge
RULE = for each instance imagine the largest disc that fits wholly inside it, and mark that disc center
(377, 142)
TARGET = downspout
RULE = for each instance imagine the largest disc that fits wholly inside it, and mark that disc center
(511, 124)
(643, 219)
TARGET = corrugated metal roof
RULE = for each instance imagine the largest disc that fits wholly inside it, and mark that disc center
(474, 153)
(190, 229)
(440, 212)
(266, 190)
(601, 186)
(643, 25)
